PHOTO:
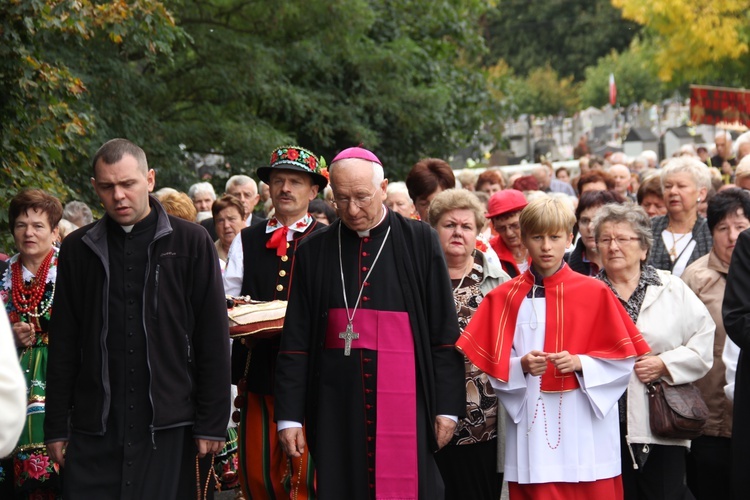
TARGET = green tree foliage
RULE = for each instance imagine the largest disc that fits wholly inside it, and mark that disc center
(235, 78)
(49, 114)
(635, 75)
(543, 92)
(568, 34)
(402, 77)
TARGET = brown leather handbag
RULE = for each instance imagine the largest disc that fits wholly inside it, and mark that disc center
(676, 411)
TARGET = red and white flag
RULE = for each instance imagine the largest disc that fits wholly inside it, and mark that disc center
(612, 89)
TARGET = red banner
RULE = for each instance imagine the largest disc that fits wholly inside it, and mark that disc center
(711, 105)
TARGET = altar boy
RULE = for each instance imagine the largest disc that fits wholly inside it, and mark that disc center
(559, 350)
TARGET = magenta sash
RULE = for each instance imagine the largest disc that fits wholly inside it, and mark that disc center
(390, 334)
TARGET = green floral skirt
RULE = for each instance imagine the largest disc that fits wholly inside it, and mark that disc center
(33, 474)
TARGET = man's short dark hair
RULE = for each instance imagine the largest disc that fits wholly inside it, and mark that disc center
(113, 150)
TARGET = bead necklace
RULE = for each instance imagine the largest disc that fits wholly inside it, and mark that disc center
(211, 473)
(27, 299)
(288, 474)
(544, 414)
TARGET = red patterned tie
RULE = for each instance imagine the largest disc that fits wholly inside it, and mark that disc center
(278, 241)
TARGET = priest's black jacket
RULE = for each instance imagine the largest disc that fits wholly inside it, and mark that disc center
(736, 312)
(333, 394)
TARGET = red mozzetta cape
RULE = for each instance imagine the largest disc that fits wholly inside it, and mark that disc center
(583, 317)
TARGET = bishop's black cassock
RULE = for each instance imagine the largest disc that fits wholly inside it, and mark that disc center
(340, 398)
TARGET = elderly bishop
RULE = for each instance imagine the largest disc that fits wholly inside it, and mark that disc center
(367, 358)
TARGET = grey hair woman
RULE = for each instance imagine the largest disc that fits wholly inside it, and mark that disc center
(680, 331)
(478, 444)
(681, 236)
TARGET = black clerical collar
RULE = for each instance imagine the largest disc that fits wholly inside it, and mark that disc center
(538, 278)
(537, 291)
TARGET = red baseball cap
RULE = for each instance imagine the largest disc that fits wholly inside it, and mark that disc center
(505, 201)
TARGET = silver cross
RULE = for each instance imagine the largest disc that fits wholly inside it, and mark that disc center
(348, 336)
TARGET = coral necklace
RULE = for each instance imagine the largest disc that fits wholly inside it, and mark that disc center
(27, 299)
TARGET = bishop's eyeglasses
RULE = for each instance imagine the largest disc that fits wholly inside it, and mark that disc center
(360, 201)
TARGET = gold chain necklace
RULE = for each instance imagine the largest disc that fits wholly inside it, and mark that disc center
(673, 250)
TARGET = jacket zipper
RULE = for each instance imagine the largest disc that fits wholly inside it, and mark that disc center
(156, 290)
(145, 331)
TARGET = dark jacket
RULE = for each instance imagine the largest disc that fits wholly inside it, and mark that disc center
(736, 312)
(659, 256)
(575, 259)
(184, 317)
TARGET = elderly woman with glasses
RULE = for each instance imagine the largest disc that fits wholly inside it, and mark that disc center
(680, 331)
(468, 462)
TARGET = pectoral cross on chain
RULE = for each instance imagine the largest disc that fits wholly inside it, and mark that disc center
(348, 336)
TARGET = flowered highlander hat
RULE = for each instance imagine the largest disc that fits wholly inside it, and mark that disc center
(294, 158)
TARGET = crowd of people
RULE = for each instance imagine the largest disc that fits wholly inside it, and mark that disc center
(443, 335)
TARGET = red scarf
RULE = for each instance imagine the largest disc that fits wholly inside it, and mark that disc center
(278, 241)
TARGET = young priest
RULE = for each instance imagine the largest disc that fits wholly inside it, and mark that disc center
(559, 349)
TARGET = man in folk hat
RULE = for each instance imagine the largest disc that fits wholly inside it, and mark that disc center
(504, 211)
(367, 357)
(260, 265)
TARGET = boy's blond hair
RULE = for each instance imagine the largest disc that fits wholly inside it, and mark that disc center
(546, 215)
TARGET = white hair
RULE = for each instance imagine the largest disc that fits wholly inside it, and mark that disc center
(650, 156)
(742, 139)
(723, 133)
(240, 180)
(619, 166)
(690, 164)
(743, 168)
(378, 175)
(201, 187)
(688, 149)
(78, 210)
(397, 188)
(618, 157)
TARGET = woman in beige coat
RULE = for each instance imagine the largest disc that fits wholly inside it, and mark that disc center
(709, 461)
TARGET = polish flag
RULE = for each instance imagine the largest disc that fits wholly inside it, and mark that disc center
(612, 89)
